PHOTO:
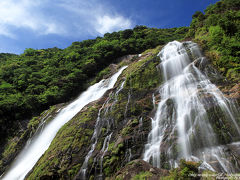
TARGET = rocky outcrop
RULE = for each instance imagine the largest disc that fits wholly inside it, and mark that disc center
(139, 169)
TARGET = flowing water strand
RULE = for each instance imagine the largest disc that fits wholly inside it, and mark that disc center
(154, 101)
(126, 107)
(99, 123)
(140, 124)
(110, 123)
(94, 139)
(130, 154)
(83, 170)
(181, 127)
(114, 98)
(41, 141)
(103, 152)
(116, 94)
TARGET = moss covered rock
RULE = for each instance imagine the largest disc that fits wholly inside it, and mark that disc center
(124, 118)
(67, 151)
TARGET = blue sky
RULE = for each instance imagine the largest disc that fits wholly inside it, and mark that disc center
(57, 23)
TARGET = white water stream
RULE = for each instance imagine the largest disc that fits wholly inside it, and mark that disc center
(100, 122)
(40, 142)
(181, 127)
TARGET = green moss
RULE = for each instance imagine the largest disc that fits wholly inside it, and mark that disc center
(100, 144)
(110, 165)
(144, 75)
(126, 131)
(141, 76)
(105, 73)
(136, 109)
(208, 175)
(223, 59)
(117, 113)
(10, 148)
(130, 163)
(73, 171)
(91, 177)
(90, 161)
(186, 170)
(70, 139)
(111, 146)
(152, 51)
(103, 130)
(116, 150)
(142, 176)
(33, 122)
(233, 176)
(135, 122)
(119, 177)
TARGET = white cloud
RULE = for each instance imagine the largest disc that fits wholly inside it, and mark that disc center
(68, 18)
(109, 24)
(96, 18)
(16, 14)
(5, 32)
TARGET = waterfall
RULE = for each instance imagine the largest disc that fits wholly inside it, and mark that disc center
(101, 121)
(40, 142)
(182, 126)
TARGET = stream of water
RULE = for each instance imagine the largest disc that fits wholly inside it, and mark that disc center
(181, 128)
(40, 142)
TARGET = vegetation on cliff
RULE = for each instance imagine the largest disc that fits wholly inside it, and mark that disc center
(218, 33)
(36, 79)
(128, 114)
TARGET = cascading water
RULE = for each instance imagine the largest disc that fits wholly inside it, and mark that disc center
(102, 121)
(182, 125)
(42, 140)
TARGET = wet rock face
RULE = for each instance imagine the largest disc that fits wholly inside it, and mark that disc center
(49, 177)
(231, 91)
(129, 121)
